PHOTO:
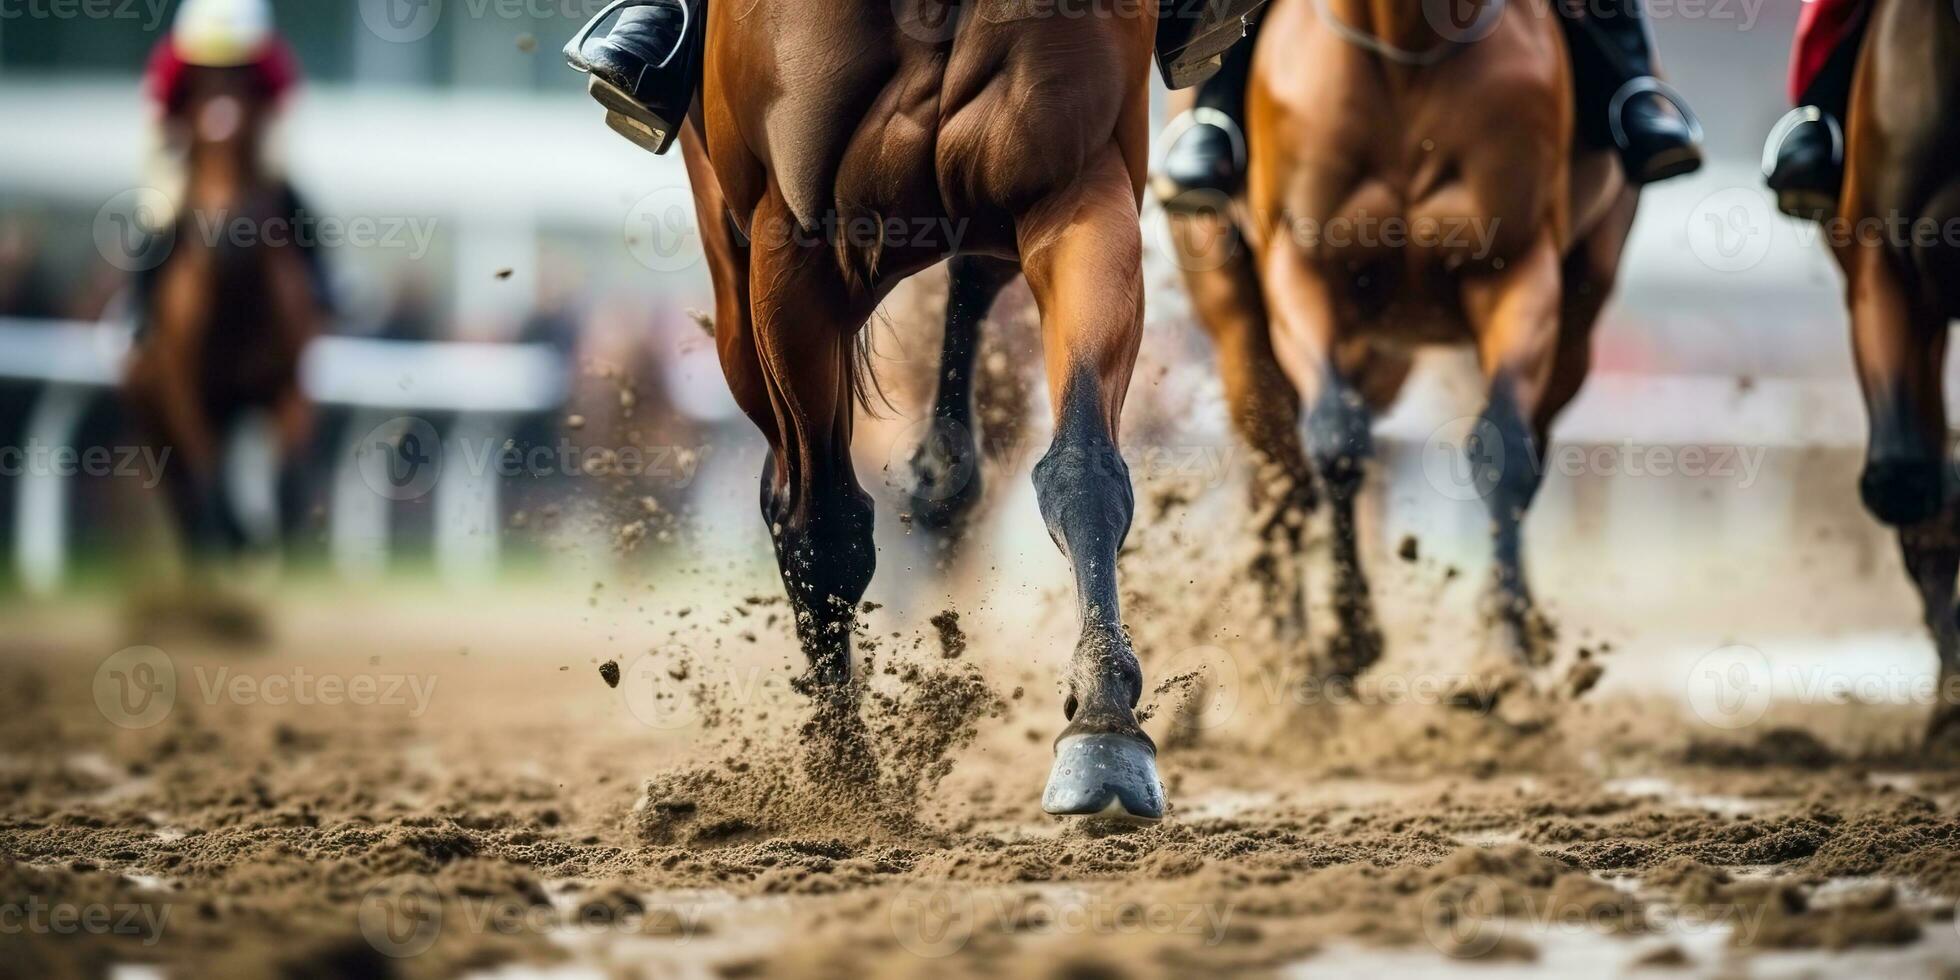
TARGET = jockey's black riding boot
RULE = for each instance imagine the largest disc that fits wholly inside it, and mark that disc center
(1804, 161)
(644, 68)
(1621, 103)
(1193, 37)
(1205, 153)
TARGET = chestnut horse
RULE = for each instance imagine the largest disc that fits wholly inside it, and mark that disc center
(1895, 237)
(1408, 186)
(228, 315)
(947, 128)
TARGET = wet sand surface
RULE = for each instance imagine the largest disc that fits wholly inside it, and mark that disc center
(416, 783)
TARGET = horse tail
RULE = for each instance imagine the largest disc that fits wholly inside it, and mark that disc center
(863, 376)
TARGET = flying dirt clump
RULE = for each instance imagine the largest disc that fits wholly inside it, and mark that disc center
(952, 640)
(860, 768)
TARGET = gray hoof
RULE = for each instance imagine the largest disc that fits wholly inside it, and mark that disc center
(1105, 775)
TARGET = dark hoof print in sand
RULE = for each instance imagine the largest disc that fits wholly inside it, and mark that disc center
(1106, 776)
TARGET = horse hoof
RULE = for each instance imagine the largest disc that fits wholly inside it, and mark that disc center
(1107, 776)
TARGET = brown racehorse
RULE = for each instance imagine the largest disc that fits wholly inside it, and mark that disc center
(1895, 237)
(1022, 134)
(228, 315)
(1407, 187)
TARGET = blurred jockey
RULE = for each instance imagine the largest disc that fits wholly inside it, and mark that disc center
(212, 36)
(646, 64)
(1805, 157)
(1619, 102)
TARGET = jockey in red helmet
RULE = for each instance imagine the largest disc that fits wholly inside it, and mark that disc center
(1805, 158)
(225, 34)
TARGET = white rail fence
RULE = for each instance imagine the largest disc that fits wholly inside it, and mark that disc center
(485, 388)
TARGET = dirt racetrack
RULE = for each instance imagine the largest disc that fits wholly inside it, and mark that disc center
(408, 781)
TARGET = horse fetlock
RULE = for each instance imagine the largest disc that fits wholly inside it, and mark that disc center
(946, 475)
(1503, 457)
(1338, 436)
(1903, 490)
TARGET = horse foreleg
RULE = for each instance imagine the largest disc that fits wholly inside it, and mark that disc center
(1900, 349)
(1901, 353)
(1263, 406)
(163, 389)
(293, 421)
(1082, 252)
(1515, 313)
(946, 465)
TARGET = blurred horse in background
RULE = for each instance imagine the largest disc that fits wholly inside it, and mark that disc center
(1896, 235)
(1411, 181)
(227, 313)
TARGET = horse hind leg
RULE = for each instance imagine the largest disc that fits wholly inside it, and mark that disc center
(1262, 404)
(946, 478)
(802, 324)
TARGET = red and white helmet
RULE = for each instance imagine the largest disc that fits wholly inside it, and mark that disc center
(220, 34)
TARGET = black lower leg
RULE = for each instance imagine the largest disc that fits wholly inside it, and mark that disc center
(1504, 466)
(1905, 477)
(1340, 443)
(946, 465)
(1083, 487)
(1932, 558)
(826, 558)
